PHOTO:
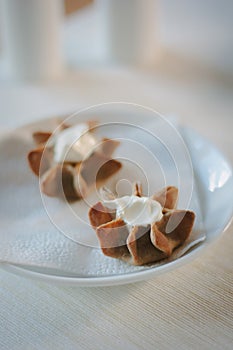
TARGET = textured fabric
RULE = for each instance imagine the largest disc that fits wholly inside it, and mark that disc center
(188, 308)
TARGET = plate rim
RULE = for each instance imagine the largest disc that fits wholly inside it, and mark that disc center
(104, 281)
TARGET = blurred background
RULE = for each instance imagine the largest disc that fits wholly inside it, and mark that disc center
(176, 56)
(93, 32)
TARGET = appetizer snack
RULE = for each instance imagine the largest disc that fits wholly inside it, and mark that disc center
(141, 230)
(72, 161)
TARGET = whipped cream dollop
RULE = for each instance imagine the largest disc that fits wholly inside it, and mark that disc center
(136, 211)
(74, 144)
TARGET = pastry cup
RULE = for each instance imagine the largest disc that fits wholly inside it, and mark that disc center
(72, 180)
(140, 245)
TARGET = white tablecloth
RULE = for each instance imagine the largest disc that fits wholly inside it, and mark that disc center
(187, 308)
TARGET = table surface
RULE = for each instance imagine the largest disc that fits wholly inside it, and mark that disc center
(188, 308)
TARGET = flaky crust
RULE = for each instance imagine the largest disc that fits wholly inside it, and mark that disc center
(113, 236)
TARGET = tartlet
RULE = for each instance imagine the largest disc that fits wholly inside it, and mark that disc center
(74, 180)
(140, 245)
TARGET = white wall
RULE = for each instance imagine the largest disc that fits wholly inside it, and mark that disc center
(199, 29)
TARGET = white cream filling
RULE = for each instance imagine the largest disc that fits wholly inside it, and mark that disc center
(136, 210)
(74, 144)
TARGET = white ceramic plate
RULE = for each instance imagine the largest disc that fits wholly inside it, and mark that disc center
(215, 191)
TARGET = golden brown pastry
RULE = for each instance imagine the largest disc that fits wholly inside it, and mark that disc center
(147, 243)
(71, 177)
